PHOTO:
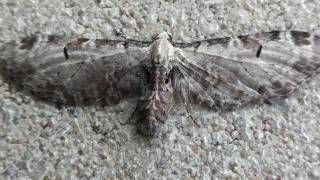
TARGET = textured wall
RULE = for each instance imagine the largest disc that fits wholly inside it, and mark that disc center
(38, 140)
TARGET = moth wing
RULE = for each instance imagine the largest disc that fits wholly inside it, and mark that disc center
(76, 71)
(282, 64)
(250, 47)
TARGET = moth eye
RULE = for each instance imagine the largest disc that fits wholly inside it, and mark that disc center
(170, 39)
(154, 37)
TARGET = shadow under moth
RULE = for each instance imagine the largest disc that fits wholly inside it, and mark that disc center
(220, 74)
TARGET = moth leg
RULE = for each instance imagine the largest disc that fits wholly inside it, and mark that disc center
(188, 109)
(190, 116)
(134, 112)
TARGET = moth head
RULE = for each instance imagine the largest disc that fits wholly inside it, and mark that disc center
(163, 35)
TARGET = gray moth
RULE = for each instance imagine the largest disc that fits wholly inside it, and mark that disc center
(220, 74)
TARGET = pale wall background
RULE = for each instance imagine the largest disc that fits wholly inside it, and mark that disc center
(39, 141)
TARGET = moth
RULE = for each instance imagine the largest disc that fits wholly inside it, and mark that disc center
(220, 74)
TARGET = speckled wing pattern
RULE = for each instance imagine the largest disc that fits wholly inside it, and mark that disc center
(77, 71)
(227, 73)
(220, 73)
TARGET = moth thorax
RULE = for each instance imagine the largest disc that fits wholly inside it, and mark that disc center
(161, 51)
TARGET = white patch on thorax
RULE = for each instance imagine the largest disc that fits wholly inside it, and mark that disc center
(162, 51)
